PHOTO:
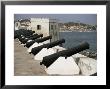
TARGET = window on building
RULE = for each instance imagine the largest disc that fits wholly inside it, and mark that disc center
(55, 26)
(38, 27)
(52, 27)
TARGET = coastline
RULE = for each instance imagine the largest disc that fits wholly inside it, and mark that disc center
(77, 31)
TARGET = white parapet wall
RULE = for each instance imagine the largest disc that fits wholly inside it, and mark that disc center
(63, 66)
(44, 52)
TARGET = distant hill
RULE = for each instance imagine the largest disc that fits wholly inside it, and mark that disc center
(73, 26)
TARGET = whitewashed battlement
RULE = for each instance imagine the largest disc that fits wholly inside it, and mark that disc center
(46, 27)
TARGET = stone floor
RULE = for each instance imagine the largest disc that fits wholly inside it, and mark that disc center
(24, 63)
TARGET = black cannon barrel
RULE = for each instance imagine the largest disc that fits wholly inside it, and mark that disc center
(16, 34)
(31, 38)
(25, 33)
(48, 45)
(28, 44)
(36, 36)
(52, 44)
(31, 35)
(24, 40)
(43, 39)
(48, 60)
(33, 31)
(21, 38)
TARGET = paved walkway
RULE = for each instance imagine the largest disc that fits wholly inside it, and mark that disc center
(24, 63)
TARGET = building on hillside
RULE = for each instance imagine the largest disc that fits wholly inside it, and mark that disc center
(23, 24)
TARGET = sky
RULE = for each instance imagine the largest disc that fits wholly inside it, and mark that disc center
(83, 18)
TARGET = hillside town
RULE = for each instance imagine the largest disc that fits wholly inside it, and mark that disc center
(80, 27)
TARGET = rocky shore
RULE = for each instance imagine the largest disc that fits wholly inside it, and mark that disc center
(89, 54)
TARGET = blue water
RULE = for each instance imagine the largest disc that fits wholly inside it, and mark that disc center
(74, 38)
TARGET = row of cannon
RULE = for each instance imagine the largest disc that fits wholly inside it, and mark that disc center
(42, 50)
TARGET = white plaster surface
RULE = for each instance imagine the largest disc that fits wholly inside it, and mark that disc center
(44, 52)
(88, 66)
(63, 66)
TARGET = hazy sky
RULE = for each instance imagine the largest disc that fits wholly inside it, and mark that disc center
(84, 18)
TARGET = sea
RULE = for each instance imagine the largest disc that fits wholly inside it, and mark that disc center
(72, 39)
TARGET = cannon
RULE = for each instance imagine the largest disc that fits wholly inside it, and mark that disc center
(31, 35)
(31, 38)
(48, 45)
(25, 33)
(21, 38)
(43, 39)
(28, 44)
(48, 60)
(16, 34)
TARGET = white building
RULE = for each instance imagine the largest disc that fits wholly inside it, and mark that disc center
(46, 27)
